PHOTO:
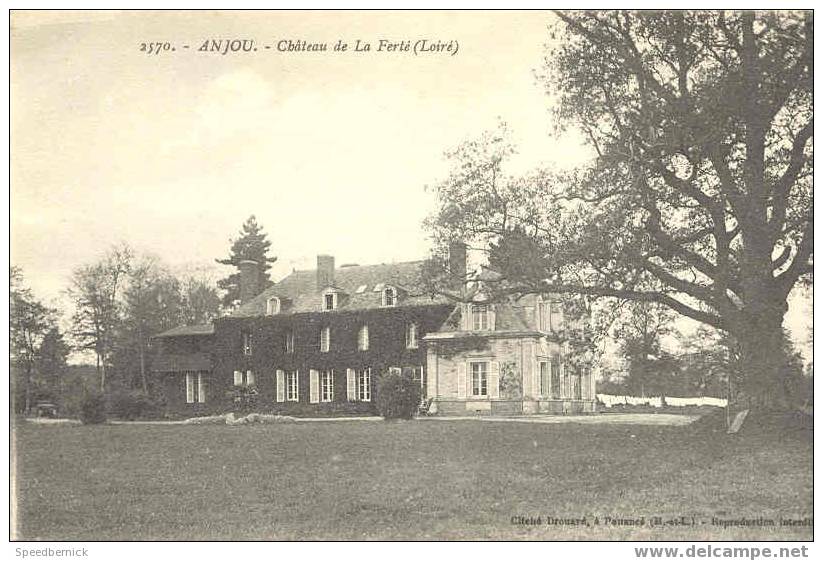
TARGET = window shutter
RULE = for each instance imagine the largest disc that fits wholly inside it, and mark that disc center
(201, 387)
(461, 380)
(314, 387)
(249, 377)
(351, 385)
(280, 381)
(494, 379)
(490, 317)
(465, 317)
(549, 376)
(189, 387)
(238, 378)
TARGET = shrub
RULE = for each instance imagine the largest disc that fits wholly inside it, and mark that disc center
(93, 409)
(398, 397)
(131, 405)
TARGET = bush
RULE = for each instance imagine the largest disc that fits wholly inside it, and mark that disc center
(398, 397)
(131, 405)
(93, 409)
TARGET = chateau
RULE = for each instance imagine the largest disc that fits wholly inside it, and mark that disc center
(317, 341)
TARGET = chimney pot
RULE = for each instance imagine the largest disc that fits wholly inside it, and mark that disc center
(457, 260)
(325, 271)
(249, 279)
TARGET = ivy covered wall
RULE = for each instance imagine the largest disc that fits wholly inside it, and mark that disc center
(387, 348)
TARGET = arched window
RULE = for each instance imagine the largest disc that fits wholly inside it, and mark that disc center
(363, 338)
(389, 297)
(325, 339)
(411, 336)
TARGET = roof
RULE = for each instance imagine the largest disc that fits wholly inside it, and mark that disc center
(188, 330)
(299, 291)
(513, 315)
(189, 362)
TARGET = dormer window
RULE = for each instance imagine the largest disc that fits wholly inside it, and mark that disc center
(479, 317)
(389, 297)
(273, 306)
(556, 316)
(330, 301)
(543, 315)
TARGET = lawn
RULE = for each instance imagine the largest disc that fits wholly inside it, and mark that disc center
(405, 480)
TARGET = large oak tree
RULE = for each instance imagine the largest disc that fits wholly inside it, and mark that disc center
(700, 194)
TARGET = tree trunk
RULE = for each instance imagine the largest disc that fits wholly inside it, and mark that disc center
(27, 390)
(102, 364)
(143, 368)
(760, 335)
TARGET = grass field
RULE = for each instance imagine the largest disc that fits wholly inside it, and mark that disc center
(406, 480)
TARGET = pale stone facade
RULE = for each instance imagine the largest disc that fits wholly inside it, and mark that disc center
(505, 358)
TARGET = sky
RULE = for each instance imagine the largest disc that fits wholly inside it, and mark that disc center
(331, 151)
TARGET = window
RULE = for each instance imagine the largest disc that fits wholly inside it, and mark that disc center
(411, 336)
(289, 342)
(195, 389)
(545, 380)
(363, 338)
(243, 378)
(395, 370)
(543, 315)
(329, 301)
(415, 373)
(555, 316)
(480, 317)
(292, 386)
(273, 306)
(364, 384)
(389, 297)
(247, 341)
(325, 339)
(480, 371)
(577, 386)
(327, 385)
(555, 377)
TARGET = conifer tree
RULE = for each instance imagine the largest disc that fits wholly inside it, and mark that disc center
(252, 244)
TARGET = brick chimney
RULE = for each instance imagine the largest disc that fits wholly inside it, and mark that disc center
(457, 260)
(325, 271)
(249, 279)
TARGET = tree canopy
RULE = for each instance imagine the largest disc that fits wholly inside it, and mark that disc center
(699, 196)
(252, 244)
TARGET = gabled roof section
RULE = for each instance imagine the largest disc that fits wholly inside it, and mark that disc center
(301, 287)
(509, 316)
(188, 331)
(192, 362)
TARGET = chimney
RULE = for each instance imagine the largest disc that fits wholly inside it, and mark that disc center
(325, 271)
(249, 279)
(457, 260)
